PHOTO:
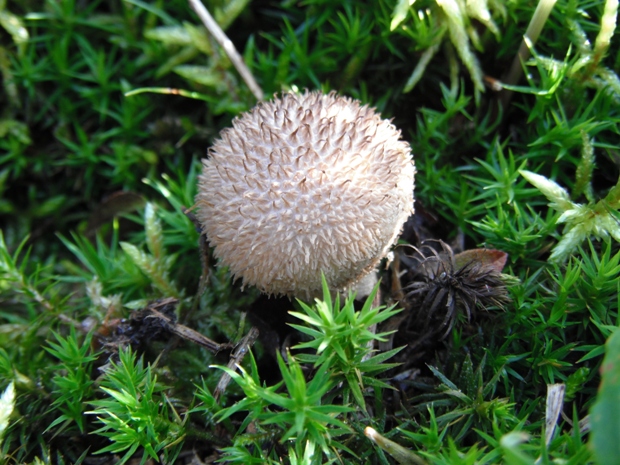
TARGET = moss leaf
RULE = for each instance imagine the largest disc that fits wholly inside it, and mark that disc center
(605, 413)
(7, 404)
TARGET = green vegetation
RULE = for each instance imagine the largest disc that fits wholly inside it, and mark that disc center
(104, 285)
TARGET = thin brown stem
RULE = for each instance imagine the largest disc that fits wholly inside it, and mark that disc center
(543, 9)
(222, 39)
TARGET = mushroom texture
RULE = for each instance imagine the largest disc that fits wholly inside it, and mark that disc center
(305, 184)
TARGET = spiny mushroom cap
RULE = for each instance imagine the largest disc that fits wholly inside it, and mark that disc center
(305, 184)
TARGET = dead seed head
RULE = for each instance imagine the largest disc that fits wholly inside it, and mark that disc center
(442, 290)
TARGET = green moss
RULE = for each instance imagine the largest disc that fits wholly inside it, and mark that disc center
(99, 152)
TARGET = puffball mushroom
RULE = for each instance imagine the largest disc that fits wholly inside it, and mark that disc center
(305, 184)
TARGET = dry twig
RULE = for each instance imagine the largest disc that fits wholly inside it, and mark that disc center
(222, 39)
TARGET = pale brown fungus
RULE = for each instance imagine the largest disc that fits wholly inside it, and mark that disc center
(305, 184)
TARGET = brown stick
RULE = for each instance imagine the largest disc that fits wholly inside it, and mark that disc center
(189, 334)
(241, 349)
(222, 39)
(543, 9)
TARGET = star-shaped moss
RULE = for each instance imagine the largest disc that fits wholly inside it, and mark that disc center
(599, 219)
